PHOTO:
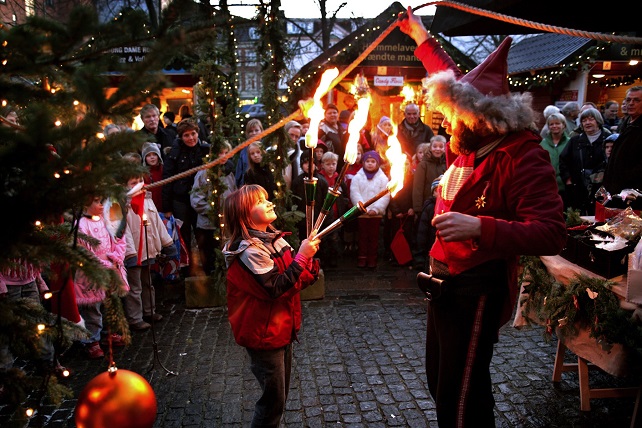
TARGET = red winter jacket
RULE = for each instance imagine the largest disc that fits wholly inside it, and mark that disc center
(263, 285)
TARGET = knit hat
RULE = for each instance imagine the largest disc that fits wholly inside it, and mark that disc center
(383, 119)
(612, 137)
(435, 183)
(151, 148)
(321, 144)
(371, 154)
(344, 116)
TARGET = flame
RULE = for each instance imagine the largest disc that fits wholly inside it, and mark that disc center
(354, 129)
(397, 159)
(408, 94)
(314, 110)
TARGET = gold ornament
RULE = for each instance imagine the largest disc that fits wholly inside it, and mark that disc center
(116, 398)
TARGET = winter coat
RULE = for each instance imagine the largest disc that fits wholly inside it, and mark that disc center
(181, 158)
(200, 195)
(555, 152)
(362, 189)
(262, 176)
(264, 279)
(624, 170)
(410, 136)
(111, 253)
(157, 235)
(427, 170)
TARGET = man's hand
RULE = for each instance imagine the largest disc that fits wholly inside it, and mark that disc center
(412, 25)
(454, 226)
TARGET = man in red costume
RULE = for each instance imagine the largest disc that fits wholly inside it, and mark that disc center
(497, 200)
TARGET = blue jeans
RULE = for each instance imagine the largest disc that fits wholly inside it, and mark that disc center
(272, 369)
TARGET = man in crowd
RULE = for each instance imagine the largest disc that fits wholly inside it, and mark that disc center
(624, 169)
(412, 131)
(150, 115)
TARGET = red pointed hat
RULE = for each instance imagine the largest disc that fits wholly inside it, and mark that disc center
(490, 77)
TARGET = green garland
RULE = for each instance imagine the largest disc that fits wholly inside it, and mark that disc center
(584, 303)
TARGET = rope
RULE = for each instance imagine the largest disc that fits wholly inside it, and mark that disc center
(281, 122)
(530, 24)
(374, 44)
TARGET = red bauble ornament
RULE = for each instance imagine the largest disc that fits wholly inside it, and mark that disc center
(117, 399)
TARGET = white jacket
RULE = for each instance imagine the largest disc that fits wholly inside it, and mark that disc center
(157, 236)
(362, 189)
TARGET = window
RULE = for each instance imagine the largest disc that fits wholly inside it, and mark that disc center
(30, 7)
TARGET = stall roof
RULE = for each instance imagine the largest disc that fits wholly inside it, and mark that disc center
(544, 51)
(384, 19)
(453, 22)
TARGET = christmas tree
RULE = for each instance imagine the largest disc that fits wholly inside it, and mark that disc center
(55, 156)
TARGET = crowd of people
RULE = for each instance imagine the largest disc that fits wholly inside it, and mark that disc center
(477, 194)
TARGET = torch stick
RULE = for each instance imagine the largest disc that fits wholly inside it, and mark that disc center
(352, 213)
(310, 184)
(331, 197)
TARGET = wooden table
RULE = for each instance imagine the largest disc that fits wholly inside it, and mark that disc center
(618, 361)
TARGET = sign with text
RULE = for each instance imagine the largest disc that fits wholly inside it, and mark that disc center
(396, 50)
(130, 54)
(388, 80)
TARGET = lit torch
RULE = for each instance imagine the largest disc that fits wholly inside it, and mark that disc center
(397, 160)
(314, 111)
(350, 156)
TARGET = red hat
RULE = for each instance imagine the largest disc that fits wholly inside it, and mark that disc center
(490, 77)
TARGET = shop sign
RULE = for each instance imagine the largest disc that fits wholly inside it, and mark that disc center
(130, 54)
(396, 50)
(388, 80)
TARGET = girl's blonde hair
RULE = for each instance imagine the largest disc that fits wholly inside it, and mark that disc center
(251, 124)
(238, 209)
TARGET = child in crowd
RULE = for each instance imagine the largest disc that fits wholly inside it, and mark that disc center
(328, 171)
(199, 198)
(111, 252)
(319, 151)
(367, 183)
(298, 190)
(143, 222)
(23, 280)
(420, 152)
(259, 173)
(253, 127)
(154, 162)
(264, 278)
(350, 228)
(432, 165)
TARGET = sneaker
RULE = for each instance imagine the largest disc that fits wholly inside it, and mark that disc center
(140, 326)
(116, 340)
(157, 317)
(94, 352)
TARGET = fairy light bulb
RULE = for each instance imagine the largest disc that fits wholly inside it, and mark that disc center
(41, 327)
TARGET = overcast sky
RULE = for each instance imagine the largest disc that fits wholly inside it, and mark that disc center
(310, 8)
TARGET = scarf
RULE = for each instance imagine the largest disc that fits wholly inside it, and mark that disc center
(370, 175)
(458, 173)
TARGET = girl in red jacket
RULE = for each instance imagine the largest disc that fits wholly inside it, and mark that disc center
(264, 278)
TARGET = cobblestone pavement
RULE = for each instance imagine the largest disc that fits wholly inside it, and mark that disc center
(359, 363)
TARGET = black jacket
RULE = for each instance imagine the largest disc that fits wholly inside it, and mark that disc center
(180, 159)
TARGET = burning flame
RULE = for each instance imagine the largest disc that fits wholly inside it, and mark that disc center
(354, 129)
(408, 94)
(397, 159)
(314, 110)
